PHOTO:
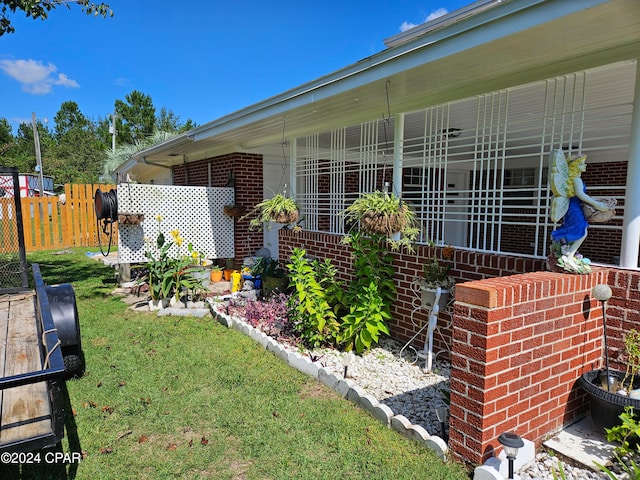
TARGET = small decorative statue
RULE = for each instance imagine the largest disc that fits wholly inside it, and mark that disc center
(576, 209)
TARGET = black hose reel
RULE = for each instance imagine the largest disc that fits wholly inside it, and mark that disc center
(106, 207)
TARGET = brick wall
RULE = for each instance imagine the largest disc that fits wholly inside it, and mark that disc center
(623, 312)
(246, 169)
(407, 320)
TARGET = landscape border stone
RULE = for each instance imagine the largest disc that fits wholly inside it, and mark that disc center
(342, 386)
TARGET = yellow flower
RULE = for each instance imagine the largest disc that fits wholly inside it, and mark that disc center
(178, 240)
(159, 218)
(175, 234)
(194, 255)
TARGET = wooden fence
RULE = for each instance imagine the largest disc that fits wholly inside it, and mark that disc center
(50, 224)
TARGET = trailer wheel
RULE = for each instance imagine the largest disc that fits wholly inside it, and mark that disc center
(73, 362)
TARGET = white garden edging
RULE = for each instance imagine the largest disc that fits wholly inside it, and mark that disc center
(344, 387)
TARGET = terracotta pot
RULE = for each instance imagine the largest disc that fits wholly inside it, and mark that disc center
(227, 274)
(216, 275)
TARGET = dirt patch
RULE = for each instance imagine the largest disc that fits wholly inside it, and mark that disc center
(316, 390)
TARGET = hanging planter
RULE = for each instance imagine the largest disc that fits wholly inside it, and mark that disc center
(234, 211)
(279, 209)
(384, 214)
(125, 218)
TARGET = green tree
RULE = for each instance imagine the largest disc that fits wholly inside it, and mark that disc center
(40, 9)
(78, 154)
(168, 121)
(68, 118)
(135, 117)
(6, 136)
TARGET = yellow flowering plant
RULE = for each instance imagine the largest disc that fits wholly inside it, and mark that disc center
(169, 271)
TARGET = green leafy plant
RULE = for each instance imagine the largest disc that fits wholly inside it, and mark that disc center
(372, 285)
(216, 268)
(626, 433)
(436, 271)
(311, 313)
(384, 214)
(170, 271)
(632, 355)
(372, 262)
(267, 267)
(279, 209)
(366, 320)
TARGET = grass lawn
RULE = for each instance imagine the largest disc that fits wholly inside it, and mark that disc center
(179, 397)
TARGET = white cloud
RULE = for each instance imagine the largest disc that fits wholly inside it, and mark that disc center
(35, 77)
(437, 13)
(407, 26)
(432, 16)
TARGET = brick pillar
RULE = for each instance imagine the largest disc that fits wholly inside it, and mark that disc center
(247, 170)
(519, 345)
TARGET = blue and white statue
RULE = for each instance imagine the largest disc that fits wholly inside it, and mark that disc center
(576, 209)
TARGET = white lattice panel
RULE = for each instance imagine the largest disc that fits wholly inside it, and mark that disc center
(195, 211)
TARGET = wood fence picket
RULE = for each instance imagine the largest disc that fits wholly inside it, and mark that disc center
(49, 224)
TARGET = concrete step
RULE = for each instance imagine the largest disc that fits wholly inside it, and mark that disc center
(583, 443)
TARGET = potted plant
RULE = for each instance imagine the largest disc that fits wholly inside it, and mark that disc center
(273, 276)
(436, 276)
(229, 268)
(279, 209)
(610, 391)
(216, 273)
(383, 214)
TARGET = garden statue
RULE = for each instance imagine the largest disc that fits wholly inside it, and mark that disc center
(576, 209)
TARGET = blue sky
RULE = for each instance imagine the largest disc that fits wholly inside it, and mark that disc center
(200, 59)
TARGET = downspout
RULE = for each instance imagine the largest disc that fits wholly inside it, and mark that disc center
(631, 222)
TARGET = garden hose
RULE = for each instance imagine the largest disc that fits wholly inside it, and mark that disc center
(106, 208)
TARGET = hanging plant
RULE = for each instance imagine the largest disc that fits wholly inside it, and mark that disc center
(279, 209)
(384, 214)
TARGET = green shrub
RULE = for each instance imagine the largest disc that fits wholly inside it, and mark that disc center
(312, 315)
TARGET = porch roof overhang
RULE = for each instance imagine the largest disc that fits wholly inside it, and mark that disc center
(487, 46)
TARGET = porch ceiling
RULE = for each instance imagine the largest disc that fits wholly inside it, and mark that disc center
(474, 60)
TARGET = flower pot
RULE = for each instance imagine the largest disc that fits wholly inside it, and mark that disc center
(269, 284)
(216, 275)
(378, 223)
(203, 275)
(428, 296)
(606, 407)
(227, 274)
(287, 217)
(257, 281)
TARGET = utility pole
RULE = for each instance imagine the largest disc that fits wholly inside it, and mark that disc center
(112, 131)
(36, 141)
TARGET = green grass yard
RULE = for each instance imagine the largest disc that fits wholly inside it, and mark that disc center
(180, 397)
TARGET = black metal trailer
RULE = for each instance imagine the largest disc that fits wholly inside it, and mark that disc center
(39, 340)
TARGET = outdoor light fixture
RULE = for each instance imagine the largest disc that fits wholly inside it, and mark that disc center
(442, 414)
(346, 361)
(511, 443)
(602, 293)
(452, 132)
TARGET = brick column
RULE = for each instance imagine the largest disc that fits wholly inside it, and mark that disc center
(519, 345)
